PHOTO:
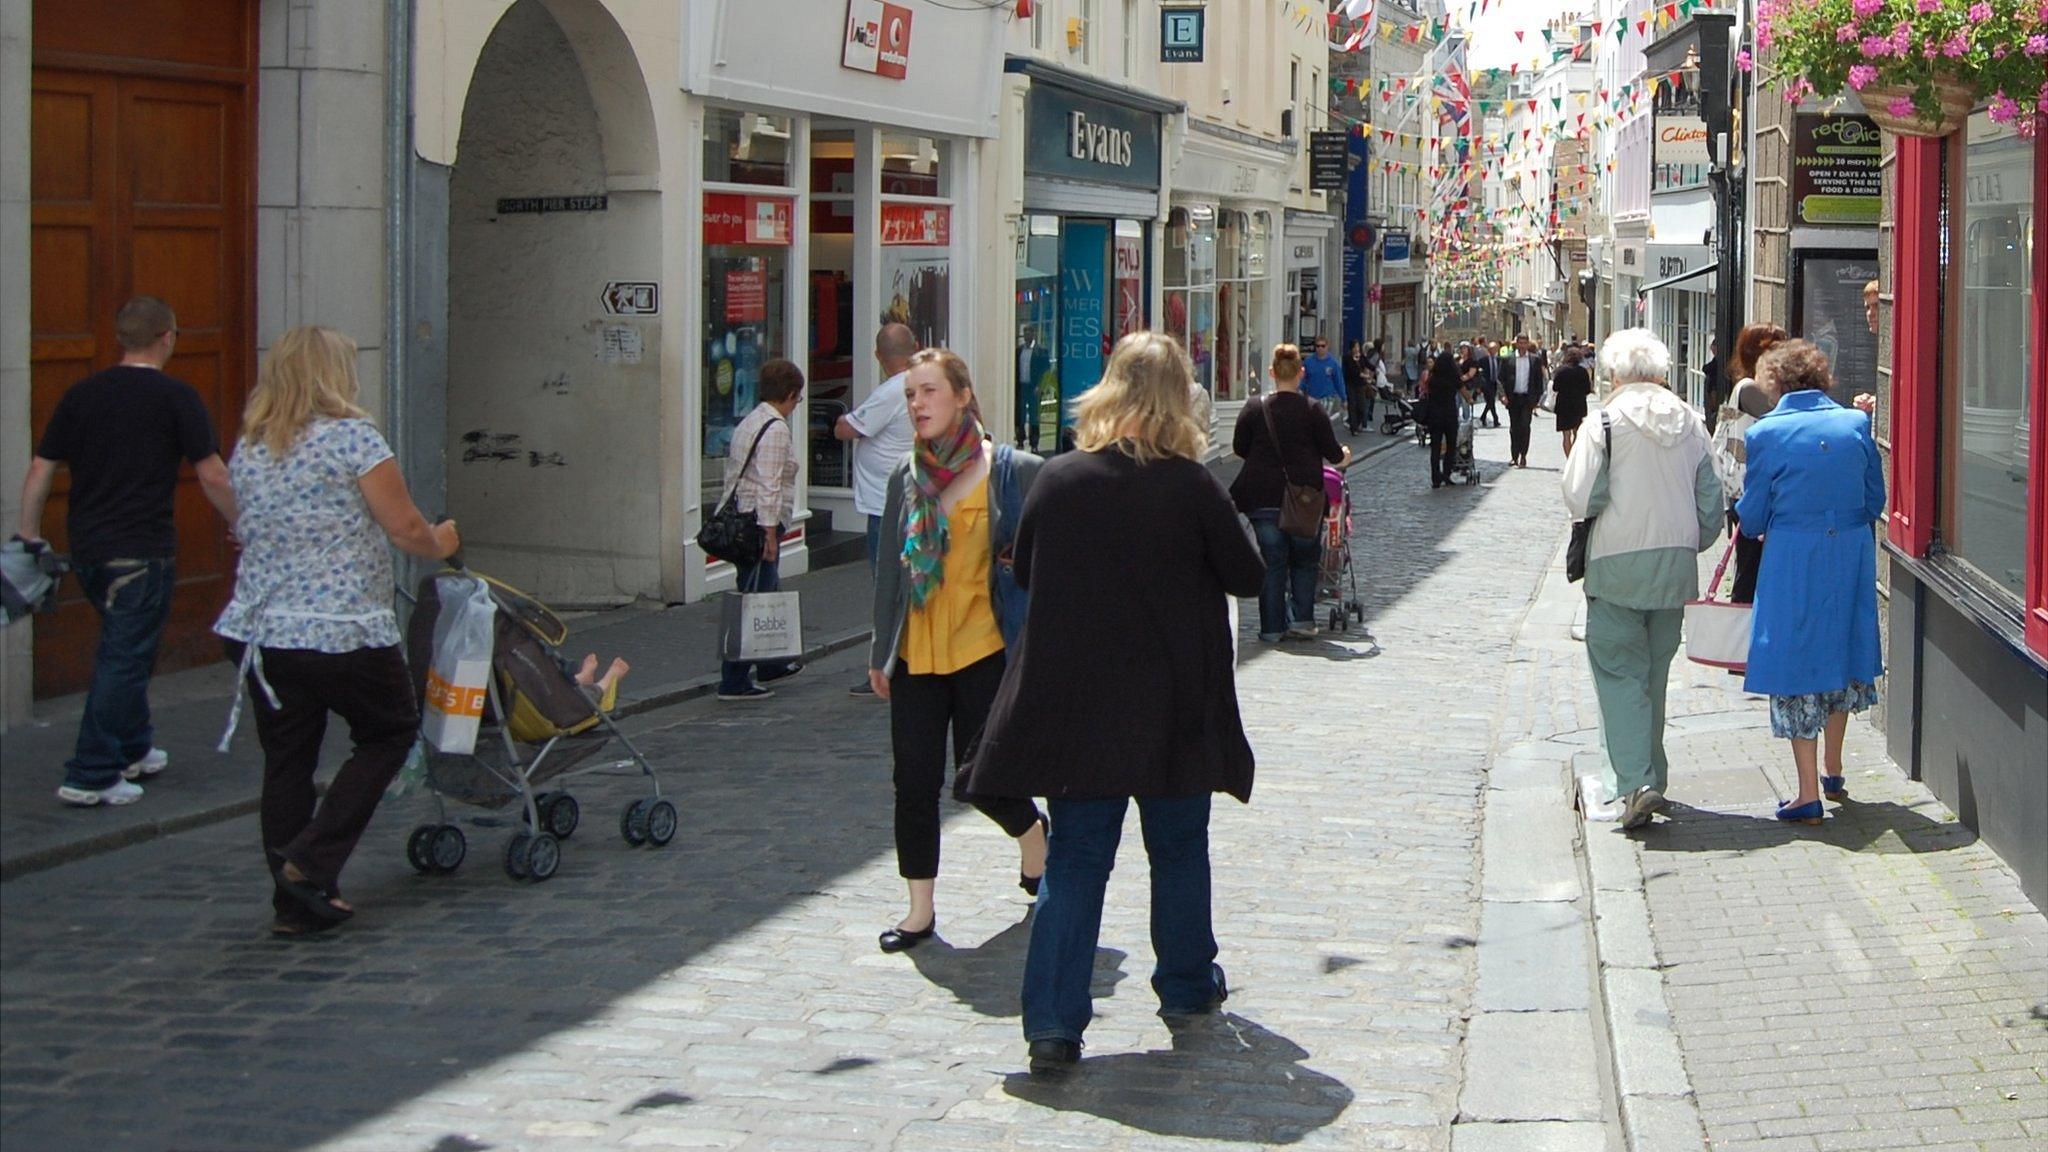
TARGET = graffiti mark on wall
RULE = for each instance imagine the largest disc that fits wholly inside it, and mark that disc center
(482, 445)
(556, 385)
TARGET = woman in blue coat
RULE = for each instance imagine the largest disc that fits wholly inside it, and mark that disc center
(1814, 487)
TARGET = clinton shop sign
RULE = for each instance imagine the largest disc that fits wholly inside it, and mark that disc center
(1076, 137)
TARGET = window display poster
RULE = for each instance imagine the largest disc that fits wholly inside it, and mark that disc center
(1829, 302)
(917, 292)
(746, 296)
(1130, 285)
(1084, 309)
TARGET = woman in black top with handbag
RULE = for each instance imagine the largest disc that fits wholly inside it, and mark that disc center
(1284, 439)
(1448, 377)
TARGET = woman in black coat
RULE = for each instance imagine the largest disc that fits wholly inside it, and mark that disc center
(1122, 686)
(1448, 378)
(1572, 384)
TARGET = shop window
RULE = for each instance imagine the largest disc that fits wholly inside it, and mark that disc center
(1982, 471)
(747, 148)
(1241, 245)
(1190, 286)
(917, 236)
(1038, 309)
(836, 336)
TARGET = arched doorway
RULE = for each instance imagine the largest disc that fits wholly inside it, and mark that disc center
(554, 323)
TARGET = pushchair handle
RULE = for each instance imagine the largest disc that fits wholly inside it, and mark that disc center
(453, 559)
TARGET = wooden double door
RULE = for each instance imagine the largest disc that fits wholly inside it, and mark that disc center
(141, 183)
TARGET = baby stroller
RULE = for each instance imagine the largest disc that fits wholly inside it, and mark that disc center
(1465, 465)
(1396, 411)
(1337, 579)
(539, 725)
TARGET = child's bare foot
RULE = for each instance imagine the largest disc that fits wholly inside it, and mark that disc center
(613, 674)
(587, 674)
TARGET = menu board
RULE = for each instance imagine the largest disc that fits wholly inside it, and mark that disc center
(1835, 173)
(1828, 310)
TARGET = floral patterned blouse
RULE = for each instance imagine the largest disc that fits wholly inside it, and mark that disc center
(316, 570)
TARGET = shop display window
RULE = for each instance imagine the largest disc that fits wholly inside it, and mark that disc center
(1038, 309)
(1983, 466)
(917, 236)
(1241, 293)
(1190, 286)
(747, 148)
(745, 291)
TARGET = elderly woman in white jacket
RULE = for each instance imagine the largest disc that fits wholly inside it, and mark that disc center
(1647, 474)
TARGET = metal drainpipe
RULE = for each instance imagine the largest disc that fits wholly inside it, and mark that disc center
(398, 33)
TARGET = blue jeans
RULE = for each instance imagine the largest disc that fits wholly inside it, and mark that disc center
(1291, 570)
(1064, 932)
(738, 675)
(133, 598)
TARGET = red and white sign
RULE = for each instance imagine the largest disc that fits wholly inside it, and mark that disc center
(731, 218)
(877, 38)
(746, 297)
(916, 225)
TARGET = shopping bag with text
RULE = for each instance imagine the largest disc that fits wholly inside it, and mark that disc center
(458, 678)
(762, 626)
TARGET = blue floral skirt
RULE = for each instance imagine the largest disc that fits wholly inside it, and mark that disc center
(1802, 717)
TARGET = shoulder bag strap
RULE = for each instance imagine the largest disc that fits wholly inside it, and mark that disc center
(732, 483)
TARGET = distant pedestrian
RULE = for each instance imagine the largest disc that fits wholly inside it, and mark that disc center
(1749, 402)
(879, 430)
(1658, 507)
(945, 621)
(1033, 362)
(1376, 370)
(1323, 381)
(1487, 357)
(1814, 486)
(1355, 374)
(124, 432)
(761, 468)
(1451, 380)
(1413, 357)
(1522, 378)
(320, 496)
(1283, 439)
(1572, 385)
(1111, 702)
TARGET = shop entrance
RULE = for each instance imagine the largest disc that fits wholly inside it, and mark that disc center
(140, 184)
(555, 309)
(1081, 286)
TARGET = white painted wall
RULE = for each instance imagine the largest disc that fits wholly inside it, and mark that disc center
(554, 442)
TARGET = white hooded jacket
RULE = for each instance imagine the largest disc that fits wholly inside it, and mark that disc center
(1655, 491)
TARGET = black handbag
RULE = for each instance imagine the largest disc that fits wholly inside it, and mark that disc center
(730, 534)
(1301, 505)
(1582, 530)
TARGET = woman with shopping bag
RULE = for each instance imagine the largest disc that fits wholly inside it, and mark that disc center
(1814, 487)
(947, 612)
(311, 621)
(763, 489)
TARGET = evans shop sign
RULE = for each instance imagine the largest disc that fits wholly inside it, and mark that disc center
(1080, 138)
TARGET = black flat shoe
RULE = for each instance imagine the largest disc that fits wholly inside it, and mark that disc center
(1213, 1004)
(898, 940)
(1054, 1057)
(318, 901)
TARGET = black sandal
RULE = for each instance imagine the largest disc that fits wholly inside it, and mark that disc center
(318, 900)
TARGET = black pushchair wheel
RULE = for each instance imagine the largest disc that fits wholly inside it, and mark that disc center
(633, 823)
(1336, 621)
(515, 855)
(448, 848)
(543, 856)
(1357, 611)
(419, 848)
(559, 814)
(661, 823)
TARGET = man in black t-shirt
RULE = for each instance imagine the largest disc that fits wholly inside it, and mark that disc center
(124, 433)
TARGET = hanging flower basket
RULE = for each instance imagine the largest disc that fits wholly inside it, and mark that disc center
(1920, 66)
(1894, 108)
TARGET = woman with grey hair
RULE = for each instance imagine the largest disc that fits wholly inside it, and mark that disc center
(1648, 476)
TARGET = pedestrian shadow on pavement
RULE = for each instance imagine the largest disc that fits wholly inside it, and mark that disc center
(988, 978)
(1883, 828)
(1181, 1092)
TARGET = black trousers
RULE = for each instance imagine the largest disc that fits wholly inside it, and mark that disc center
(1749, 557)
(1491, 416)
(1361, 396)
(371, 690)
(1520, 412)
(922, 709)
(1443, 449)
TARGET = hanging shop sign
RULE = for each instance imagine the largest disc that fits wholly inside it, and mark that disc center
(1328, 161)
(1681, 139)
(1078, 137)
(1394, 250)
(916, 225)
(1181, 32)
(1835, 173)
(1397, 297)
(877, 39)
(732, 218)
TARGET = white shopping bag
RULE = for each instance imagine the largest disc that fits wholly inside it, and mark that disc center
(762, 626)
(1717, 631)
(458, 678)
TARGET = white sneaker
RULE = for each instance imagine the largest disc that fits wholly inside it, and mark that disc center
(1304, 631)
(148, 766)
(113, 795)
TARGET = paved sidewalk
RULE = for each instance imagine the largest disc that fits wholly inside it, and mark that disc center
(1877, 982)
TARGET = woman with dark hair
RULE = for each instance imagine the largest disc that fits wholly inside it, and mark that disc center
(764, 484)
(1572, 384)
(1814, 485)
(1448, 378)
(1747, 403)
(1357, 375)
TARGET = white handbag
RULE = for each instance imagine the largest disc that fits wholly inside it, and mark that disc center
(1717, 631)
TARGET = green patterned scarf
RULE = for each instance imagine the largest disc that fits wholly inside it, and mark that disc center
(933, 466)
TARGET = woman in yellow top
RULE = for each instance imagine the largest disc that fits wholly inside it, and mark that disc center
(946, 611)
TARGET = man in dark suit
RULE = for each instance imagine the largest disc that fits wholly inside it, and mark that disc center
(1522, 377)
(1487, 355)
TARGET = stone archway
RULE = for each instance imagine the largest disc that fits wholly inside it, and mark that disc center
(554, 395)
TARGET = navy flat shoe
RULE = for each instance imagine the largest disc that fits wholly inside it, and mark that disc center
(1835, 788)
(1808, 813)
(1053, 1057)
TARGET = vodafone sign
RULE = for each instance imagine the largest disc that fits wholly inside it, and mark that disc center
(877, 38)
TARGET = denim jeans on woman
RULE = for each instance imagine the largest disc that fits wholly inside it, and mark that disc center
(1068, 924)
(736, 675)
(133, 599)
(1291, 570)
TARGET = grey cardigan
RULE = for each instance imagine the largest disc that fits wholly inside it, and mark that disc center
(892, 591)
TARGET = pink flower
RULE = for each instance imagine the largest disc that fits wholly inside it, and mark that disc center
(2037, 44)
(1958, 45)
(1980, 12)
(1861, 76)
(1875, 47)
(1930, 5)
(1901, 107)
(1845, 33)
(2003, 109)
(1745, 61)
(1864, 8)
